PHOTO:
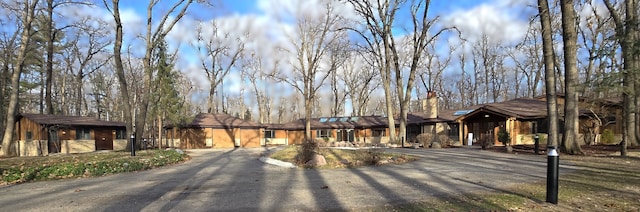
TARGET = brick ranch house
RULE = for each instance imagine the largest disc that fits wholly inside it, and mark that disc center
(215, 131)
(224, 131)
(43, 134)
(524, 118)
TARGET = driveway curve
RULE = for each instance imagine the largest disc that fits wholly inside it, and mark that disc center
(235, 180)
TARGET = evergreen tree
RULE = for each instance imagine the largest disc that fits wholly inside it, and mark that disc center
(247, 115)
(168, 104)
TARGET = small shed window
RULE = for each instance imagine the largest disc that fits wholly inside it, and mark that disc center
(322, 133)
(28, 135)
(121, 134)
(83, 134)
(269, 134)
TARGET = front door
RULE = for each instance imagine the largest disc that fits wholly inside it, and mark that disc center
(54, 141)
(104, 139)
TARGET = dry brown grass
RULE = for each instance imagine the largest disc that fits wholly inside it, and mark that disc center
(600, 183)
(346, 158)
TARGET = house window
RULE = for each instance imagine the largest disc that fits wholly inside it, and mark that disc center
(453, 130)
(121, 134)
(379, 132)
(28, 135)
(322, 133)
(83, 134)
(542, 125)
(269, 134)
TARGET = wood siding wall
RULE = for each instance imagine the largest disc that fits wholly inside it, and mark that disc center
(36, 130)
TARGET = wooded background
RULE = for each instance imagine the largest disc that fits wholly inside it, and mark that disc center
(313, 59)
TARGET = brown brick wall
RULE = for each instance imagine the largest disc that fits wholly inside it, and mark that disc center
(250, 137)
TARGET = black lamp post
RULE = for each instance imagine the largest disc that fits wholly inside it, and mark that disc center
(536, 144)
(553, 159)
(133, 144)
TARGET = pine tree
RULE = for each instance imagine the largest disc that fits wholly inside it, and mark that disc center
(168, 103)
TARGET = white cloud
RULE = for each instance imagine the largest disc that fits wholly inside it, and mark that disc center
(495, 19)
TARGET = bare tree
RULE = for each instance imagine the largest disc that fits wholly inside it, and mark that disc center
(528, 60)
(27, 16)
(570, 141)
(627, 33)
(338, 54)
(594, 30)
(432, 70)
(81, 59)
(252, 71)
(379, 19)
(8, 46)
(51, 34)
(549, 68)
(114, 9)
(155, 34)
(219, 52)
(314, 38)
(361, 80)
(466, 87)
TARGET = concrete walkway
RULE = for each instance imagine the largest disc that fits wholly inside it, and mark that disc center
(235, 180)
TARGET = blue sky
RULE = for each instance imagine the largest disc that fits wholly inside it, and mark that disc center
(251, 6)
(500, 19)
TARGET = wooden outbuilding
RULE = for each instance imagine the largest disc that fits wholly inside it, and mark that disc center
(43, 134)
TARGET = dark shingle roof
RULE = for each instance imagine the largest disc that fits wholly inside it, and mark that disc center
(47, 119)
(522, 108)
(335, 123)
(221, 121)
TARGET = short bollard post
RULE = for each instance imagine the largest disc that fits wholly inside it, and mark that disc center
(536, 144)
(133, 144)
(553, 160)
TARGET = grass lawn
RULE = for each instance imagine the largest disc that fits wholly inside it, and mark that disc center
(60, 166)
(596, 184)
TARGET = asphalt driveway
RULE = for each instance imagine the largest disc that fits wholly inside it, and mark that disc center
(235, 180)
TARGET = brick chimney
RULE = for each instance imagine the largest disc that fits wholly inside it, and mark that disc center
(430, 105)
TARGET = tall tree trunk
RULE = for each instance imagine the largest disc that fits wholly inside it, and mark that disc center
(386, 84)
(549, 68)
(307, 118)
(122, 80)
(50, 51)
(78, 103)
(634, 60)
(159, 139)
(4, 79)
(627, 34)
(27, 18)
(570, 143)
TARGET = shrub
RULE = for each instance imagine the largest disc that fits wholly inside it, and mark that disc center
(94, 168)
(425, 139)
(503, 136)
(445, 140)
(608, 137)
(306, 151)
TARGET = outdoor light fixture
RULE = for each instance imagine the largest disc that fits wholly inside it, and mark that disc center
(486, 115)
